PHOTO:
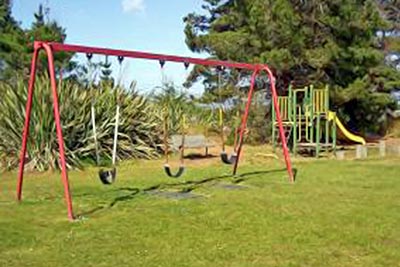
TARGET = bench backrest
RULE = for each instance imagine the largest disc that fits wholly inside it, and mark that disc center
(191, 141)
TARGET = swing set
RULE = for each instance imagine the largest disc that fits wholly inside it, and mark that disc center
(231, 159)
(106, 176)
(50, 48)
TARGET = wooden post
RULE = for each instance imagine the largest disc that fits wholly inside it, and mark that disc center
(382, 148)
(340, 155)
(361, 152)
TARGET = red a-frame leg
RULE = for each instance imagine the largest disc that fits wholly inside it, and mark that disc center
(280, 124)
(28, 110)
(278, 115)
(37, 47)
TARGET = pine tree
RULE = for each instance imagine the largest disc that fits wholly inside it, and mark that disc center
(105, 75)
(304, 42)
(11, 41)
(16, 44)
(390, 11)
(51, 31)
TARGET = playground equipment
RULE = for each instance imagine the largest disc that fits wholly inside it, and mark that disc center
(225, 158)
(231, 159)
(346, 133)
(178, 142)
(106, 176)
(181, 148)
(308, 122)
(50, 48)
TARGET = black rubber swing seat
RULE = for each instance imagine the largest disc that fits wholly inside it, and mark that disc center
(108, 176)
(178, 174)
(228, 160)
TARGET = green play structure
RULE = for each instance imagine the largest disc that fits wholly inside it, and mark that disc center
(308, 122)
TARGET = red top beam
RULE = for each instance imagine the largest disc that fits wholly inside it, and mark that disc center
(151, 56)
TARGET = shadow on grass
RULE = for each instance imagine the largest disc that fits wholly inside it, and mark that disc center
(183, 187)
(198, 156)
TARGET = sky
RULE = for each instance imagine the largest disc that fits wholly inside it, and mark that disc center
(146, 25)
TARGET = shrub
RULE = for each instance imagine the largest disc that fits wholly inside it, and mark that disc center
(138, 131)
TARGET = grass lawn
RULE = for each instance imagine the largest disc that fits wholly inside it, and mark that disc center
(338, 213)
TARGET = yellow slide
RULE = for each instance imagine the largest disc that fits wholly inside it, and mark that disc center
(349, 135)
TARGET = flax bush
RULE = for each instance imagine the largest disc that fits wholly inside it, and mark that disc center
(139, 129)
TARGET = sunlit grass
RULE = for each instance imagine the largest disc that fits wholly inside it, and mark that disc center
(338, 213)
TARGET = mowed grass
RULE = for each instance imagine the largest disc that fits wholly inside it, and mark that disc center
(338, 213)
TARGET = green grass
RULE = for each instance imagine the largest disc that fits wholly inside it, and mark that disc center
(338, 213)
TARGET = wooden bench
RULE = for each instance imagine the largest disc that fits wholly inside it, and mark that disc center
(191, 141)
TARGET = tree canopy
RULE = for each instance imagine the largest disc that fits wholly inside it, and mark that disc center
(16, 44)
(306, 42)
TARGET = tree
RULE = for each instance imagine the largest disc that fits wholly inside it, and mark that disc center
(304, 42)
(390, 10)
(16, 44)
(105, 73)
(219, 83)
(50, 31)
(11, 41)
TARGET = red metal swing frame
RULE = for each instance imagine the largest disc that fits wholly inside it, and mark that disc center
(50, 48)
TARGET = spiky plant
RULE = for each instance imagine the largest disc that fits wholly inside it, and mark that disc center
(173, 105)
(138, 130)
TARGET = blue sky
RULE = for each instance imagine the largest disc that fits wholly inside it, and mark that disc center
(147, 25)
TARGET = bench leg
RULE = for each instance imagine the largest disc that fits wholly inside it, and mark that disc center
(206, 151)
